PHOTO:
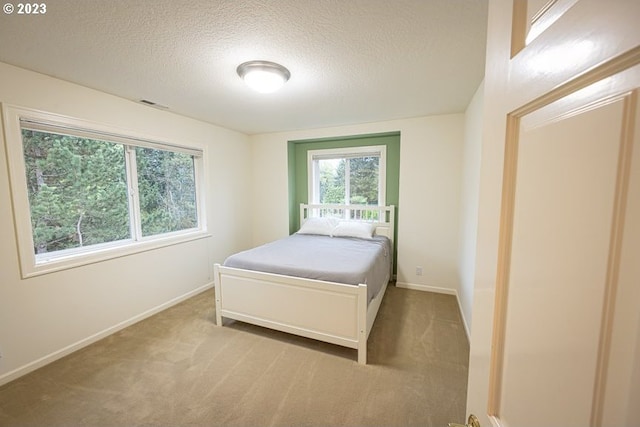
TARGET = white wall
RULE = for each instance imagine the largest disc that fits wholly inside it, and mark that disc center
(45, 317)
(430, 171)
(471, 160)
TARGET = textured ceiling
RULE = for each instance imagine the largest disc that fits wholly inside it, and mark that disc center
(351, 61)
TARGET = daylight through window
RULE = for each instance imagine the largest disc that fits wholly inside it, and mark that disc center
(350, 176)
(87, 189)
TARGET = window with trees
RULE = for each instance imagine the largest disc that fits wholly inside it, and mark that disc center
(347, 176)
(89, 191)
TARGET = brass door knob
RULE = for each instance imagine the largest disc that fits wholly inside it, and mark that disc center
(471, 422)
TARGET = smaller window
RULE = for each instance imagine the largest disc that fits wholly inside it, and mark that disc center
(167, 188)
(347, 176)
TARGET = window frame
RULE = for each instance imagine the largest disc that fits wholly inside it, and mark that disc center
(34, 265)
(313, 175)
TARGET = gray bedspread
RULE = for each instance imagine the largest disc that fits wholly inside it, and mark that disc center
(335, 259)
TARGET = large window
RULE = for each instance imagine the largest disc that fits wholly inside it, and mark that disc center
(347, 176)
(89, 191)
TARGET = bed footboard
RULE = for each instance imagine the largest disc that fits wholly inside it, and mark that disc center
(331, 312)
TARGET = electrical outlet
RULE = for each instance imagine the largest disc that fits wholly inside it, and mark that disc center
(418, 271)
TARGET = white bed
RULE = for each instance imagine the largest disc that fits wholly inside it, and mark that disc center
(333, 312)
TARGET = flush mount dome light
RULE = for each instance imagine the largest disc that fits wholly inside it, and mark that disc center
(263, 76)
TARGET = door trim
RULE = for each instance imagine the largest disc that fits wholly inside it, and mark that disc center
(609, 68)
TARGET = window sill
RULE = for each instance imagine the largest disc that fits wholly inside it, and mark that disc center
(123, 249)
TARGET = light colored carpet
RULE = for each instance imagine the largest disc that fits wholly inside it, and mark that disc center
(177, 368)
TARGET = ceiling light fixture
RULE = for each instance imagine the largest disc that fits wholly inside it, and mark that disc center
(263, 76)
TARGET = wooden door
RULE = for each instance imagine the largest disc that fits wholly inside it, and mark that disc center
(556, 319)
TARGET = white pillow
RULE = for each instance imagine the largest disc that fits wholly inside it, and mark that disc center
(363, 230)
(321, 226)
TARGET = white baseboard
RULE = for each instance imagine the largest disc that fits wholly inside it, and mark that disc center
(426, 288)
(32, 366)
(464, 320)
(439, 290)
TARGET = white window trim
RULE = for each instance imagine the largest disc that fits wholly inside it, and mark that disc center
(61, 260)
(313, 177)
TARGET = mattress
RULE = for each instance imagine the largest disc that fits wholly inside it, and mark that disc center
(344, 260)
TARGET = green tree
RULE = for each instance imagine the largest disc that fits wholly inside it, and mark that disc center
(77, 190)
(166, 185)
(363, 180)
(332, 190)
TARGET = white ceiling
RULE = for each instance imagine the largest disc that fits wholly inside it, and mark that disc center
(351, 61)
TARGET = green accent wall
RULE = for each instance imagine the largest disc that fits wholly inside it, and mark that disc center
(297, 157)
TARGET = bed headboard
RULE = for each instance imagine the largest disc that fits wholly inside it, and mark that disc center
(382, 216)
